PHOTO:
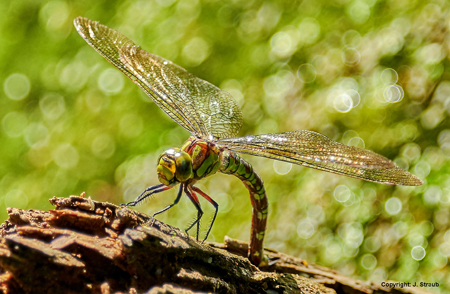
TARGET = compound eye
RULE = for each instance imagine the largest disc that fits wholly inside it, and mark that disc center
(174, 166)
(166, 170)
(184, 166)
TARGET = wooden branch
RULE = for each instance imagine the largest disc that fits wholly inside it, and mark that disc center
(84, 246)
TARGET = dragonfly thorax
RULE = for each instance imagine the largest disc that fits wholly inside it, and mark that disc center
(174, 166)
(205, 156)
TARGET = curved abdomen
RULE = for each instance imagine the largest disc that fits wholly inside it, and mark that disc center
(233, 164)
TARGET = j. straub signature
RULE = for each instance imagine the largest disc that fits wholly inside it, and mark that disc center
(409, 284)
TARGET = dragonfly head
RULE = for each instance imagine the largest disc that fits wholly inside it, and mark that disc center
(174, 166)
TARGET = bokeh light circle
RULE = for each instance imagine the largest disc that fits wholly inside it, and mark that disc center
(393, 94)
(354, 95)
(17, 199)
(343, 103)
(282, 168)
(17, 86)
(196, 51)
(52, 105)
(14, 124)
(393, 206)
(389, 76)
(351, 56)
(369, 261)
(305, 229)
(342, 193)
(306, 73)
(281, 42)
(66, 156)
(103, 146)
(418, 253)
(36, 135)
(111, 81)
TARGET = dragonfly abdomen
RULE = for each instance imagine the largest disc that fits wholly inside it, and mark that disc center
(233, 164)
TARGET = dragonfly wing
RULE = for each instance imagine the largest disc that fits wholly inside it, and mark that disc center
(198, 106)
(214, 111)
(317, 151)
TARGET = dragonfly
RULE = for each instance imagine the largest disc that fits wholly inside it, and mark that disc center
(213, 119)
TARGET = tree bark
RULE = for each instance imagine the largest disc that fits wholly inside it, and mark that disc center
(85, 246)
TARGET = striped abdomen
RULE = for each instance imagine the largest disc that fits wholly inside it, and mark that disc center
(233, 164)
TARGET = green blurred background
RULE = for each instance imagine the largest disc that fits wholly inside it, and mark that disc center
(367, 73)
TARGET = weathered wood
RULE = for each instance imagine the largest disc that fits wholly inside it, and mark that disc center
(84, 246)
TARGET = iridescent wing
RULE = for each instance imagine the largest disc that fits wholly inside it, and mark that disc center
(196, 105)
(317, 151)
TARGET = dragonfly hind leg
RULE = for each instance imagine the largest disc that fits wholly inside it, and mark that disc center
(214, 203)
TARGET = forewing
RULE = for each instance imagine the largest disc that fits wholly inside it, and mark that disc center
(317, 151)
(213, 111)
(198, 106)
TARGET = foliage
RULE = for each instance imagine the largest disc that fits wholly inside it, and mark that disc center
(368, 73)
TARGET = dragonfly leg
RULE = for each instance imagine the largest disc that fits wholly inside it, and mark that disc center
(171, 205)
(233, 164)
(147, 192)
(214, 203)
(193, 197)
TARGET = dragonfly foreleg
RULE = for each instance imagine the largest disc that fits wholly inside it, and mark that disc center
(180, 192)
(193, 197)
(214, 203)
(149, 191)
